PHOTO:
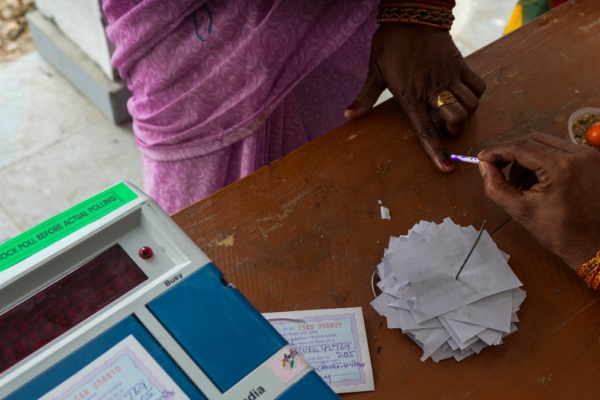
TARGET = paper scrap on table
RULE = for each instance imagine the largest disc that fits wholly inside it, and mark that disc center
(444, 316)
(385, 213)
(333, 342)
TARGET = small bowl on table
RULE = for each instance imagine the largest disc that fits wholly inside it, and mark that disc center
(581, 123)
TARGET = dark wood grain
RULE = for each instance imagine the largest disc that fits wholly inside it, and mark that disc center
(305, 232)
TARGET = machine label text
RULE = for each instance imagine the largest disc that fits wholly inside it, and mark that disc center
(255, 393)
(173, 280)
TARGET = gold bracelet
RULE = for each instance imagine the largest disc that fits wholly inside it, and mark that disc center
(589, 272)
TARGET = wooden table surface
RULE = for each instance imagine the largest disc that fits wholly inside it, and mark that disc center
(305, 232)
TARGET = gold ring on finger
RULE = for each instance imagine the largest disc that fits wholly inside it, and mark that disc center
(444, 98)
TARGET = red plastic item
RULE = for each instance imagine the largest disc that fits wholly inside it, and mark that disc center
(146, 253)
(52, 311)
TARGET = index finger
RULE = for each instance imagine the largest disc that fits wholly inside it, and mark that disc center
(529, 153)
(419, 117)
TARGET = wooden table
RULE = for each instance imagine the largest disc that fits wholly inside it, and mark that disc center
(305, 232)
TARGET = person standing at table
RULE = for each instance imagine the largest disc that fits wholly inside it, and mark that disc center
(223, 87)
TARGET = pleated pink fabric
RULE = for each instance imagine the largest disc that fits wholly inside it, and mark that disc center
(224, 87)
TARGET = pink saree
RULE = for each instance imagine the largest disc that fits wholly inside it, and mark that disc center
(223, 87)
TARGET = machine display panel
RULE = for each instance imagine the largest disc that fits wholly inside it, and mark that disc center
(58, 307)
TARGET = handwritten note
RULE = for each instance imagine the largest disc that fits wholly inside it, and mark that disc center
(333, 342)
(125, 372)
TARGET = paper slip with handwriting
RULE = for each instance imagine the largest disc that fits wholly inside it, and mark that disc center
(126, 371)
(333, 342)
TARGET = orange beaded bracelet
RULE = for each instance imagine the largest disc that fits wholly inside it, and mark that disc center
(590, 272)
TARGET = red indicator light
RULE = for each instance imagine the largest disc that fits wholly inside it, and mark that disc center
(146, 253)
(46, 315)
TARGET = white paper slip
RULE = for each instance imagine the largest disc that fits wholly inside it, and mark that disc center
(333, 342)
(448, 316)
(463, 330)
(431, 267)
(492, 312)
(126, 371)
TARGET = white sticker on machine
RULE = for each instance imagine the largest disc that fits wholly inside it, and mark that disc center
(126, 371)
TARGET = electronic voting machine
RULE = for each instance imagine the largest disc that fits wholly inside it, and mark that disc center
(111, 300)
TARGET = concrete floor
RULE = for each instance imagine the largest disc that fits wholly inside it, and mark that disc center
(56, 149)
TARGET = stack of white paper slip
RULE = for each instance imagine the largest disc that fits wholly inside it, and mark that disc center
(448, 317)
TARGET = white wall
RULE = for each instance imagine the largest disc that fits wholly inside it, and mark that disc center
(480, 22)
(81, 21)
